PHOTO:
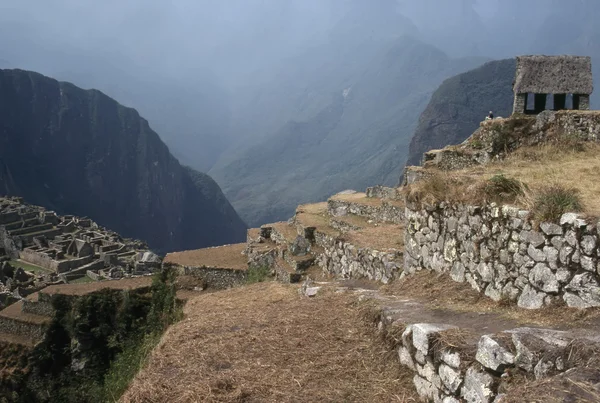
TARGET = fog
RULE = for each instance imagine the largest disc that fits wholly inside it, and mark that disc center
(194, 68)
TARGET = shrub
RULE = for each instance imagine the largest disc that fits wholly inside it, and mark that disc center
(552, 202)
(503, 189)
(257, 274)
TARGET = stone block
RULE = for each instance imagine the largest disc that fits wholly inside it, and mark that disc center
(479, 386)
(551, 229)
(530, 298)
(542, 277)
(493, 353)
(422, 334)
(583, 292)
(450, 377)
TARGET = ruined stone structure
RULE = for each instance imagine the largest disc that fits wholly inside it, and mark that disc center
(67, 246)
(563, 77)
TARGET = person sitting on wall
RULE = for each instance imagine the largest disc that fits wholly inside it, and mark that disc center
(490, 116)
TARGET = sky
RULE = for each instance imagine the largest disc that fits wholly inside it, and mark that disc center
(185, 63)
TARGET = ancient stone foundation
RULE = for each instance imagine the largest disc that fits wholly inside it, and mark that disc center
(500, 251)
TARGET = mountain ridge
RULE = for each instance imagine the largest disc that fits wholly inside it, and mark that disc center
(81, 152)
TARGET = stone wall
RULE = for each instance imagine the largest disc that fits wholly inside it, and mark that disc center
(499, 251)
(214, 278)
(344, 260)
(59, 266)
(386, 212)
(451, 368)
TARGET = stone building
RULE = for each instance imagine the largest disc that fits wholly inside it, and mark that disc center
(563, 77)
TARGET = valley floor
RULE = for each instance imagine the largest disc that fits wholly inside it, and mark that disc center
(265, 343)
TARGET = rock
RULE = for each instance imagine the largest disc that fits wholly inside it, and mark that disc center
(588, 244)
(568, 218)
(534, 238)
(492, 355)
(551, 229)
(486, 272)
(565, 254)
(543, 368)
(450, 399)
(450, 377)
(425, 389)
(300, 246)
(536, 254)
(542, 277)
(532, 344)
(492, 292)
(427, 371)
(422, 332)
(530, 298)
(311, 291)
(478, 386)
(551, 256)
(451, 358)
(588, 263)
(405, 358)
(583, 292)
(458, 272)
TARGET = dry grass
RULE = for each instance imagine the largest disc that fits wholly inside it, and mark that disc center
(441, 292)
(538, 167)
(222, 257)
(264, 343)
(580, 386)
(379, 237)
(82, 289)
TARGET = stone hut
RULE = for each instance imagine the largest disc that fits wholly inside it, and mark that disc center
(564, 77)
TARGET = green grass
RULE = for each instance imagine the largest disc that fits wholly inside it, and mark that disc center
(29, 267)
(82, 280)
(554, 201)
(257, 274)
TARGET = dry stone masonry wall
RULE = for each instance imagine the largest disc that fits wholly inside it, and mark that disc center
(478, 368)
(344, 260)
(500, 251)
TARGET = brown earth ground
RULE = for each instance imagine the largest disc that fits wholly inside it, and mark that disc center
(265, 343)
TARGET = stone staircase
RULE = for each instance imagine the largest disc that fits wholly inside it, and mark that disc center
(352, 235)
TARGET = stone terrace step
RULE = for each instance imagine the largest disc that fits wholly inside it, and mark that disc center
(286, 273)
(379, 210)
(313, 218)
(282, 233)
(28, 230)
(220, 257)
(31, 327)
(299, 263)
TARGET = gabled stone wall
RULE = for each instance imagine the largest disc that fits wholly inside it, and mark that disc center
(501, 252)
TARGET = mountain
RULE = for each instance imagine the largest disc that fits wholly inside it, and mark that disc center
(80, 152)
(359, 138)
(458, 106)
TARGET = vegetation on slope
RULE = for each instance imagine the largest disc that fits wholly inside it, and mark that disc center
(96, 344)
(80, 152)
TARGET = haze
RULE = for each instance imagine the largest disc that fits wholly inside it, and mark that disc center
(214, 77)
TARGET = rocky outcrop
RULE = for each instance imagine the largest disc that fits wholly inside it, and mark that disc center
(499, 251)
(460, 104)
(80, 152)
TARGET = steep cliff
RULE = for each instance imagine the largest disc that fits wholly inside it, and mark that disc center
(458, 106)
(80, 152)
